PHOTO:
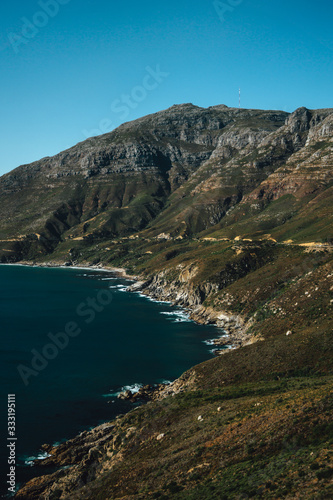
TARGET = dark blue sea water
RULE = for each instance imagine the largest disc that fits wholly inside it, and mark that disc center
(118, 339)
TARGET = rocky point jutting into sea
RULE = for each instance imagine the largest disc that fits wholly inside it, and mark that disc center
(226, 212)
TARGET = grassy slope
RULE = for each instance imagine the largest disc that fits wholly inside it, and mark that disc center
(269, 439)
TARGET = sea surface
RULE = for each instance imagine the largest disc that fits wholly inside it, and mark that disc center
(115, 340)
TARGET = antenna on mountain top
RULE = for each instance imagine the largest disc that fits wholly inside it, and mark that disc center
(239, 97)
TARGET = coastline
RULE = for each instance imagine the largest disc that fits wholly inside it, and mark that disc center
(65, 265)
(57, 455)
(233, 327)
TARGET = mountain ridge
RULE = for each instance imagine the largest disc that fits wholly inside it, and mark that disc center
(145, 162)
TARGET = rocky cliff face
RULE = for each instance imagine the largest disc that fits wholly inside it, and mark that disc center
(308, 168)
(179, 287)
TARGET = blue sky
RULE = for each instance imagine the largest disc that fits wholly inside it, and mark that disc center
(75, 68)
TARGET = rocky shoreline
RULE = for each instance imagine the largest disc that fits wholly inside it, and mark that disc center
(235, 328)
(83, 449)
(79, 460)
(146, 393)
(83, 265)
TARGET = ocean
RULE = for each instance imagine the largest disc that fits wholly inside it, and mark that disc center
(71, 340)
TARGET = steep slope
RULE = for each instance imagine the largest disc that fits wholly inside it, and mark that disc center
(118, 183)
(240, 426)
(294, 201)
(295, 161)
(218, 172)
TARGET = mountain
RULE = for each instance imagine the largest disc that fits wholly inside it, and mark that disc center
(228, 213)
(182, 172)
(118, 183)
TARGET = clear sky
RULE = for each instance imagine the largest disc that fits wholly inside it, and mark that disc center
(75, 68)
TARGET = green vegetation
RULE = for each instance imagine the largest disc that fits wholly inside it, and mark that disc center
(263, 440)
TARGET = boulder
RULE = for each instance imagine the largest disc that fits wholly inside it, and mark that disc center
(125, 395)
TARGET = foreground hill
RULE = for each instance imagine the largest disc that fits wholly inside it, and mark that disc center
(216, 436)
(228, 213)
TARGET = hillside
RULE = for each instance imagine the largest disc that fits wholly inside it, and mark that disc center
(231, 428)
(227, 213)
(118, 183)
(183, 172)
